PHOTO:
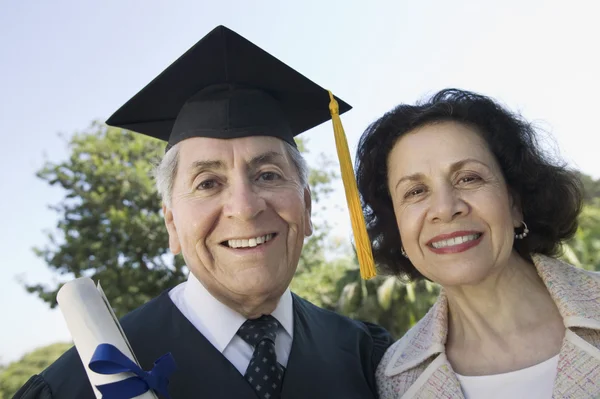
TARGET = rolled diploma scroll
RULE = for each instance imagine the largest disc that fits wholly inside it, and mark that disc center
(91, 321)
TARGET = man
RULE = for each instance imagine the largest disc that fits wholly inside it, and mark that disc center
(238, 207)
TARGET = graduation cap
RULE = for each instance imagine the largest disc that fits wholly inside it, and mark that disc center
(226, 87)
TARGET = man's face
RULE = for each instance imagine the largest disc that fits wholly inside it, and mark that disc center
(239, 215)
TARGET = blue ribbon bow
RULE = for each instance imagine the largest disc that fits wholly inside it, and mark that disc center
(109, 360)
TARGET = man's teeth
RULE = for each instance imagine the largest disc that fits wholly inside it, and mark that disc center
(454, 241)
(252, 242)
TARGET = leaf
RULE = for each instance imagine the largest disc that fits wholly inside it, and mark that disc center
(385, 292)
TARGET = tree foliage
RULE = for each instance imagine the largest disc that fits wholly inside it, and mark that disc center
(110, 224)
(583, 250)
(320, 180)
(13, 376)
(591, 188)
(336, 285)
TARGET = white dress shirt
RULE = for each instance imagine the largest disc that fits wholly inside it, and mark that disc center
(219, 323)
(535, 382)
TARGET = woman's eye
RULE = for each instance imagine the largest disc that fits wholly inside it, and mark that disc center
(414, 192)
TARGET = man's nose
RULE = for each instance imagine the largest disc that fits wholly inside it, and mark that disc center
(244, 201)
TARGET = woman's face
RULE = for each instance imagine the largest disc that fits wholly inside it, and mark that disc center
(453, 208)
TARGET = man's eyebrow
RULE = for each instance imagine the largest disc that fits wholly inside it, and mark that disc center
(207, 164)
(267, 157)
(255, 162)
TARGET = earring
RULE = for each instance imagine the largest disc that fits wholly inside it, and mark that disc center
(524, 233)
(403, 252)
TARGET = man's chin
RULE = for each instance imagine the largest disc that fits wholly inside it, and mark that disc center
(256, 299)
(260, 287)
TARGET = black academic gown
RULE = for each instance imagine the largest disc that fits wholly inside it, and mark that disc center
(332, 357)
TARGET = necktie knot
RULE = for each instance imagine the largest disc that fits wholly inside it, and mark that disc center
(256, 330)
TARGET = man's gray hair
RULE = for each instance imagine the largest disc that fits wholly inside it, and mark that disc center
(166, 171)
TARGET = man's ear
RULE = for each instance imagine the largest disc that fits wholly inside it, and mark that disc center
(174, 244)
(308, 226)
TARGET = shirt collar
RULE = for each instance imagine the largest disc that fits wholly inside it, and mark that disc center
(219, 323)
(284, 312)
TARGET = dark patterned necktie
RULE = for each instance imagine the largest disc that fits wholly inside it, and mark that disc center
(264, 374)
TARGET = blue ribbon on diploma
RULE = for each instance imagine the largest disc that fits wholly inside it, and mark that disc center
(107, 359)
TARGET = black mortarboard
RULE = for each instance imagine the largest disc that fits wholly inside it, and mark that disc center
(226, 87)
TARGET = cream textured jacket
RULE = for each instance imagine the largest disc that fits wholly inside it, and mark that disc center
(416, 366)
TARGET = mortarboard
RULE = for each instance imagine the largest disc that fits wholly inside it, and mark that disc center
(226, 87)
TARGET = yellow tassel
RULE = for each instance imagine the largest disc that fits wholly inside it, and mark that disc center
(363, 244)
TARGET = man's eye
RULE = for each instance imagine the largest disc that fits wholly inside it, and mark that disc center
(207, 184)
(469, 179)
(269, 176)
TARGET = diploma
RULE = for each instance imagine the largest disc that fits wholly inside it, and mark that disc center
(92, 322)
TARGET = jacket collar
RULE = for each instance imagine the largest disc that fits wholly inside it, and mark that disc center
(575, 291)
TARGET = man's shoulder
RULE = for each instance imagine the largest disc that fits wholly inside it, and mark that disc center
(66, 377)
(325, 315)
(149, 315)
(337, 323)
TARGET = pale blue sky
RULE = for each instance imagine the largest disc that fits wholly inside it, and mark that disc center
(66, 63)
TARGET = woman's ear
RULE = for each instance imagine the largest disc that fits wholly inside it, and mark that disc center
(516, 208)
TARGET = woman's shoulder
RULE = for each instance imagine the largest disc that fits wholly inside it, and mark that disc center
(392, 378)
(558, 271)
(407, 358)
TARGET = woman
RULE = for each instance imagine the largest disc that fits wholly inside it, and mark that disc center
(457, 191)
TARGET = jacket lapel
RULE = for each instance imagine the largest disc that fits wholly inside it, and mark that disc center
(578, 368)
(576, 293)
(425, 343)
(299, 377)
(322, 363)
(313, 367)
(437, 381)
(202, 371)
(426, 339)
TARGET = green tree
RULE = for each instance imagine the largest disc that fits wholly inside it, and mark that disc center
(386, 300)
(110, 225)
(583, 250)
(17, 373)
(323, 283)
(389, 302)
(320, 180)
(591, 188)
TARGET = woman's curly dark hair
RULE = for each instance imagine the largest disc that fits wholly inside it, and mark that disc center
(550, 195)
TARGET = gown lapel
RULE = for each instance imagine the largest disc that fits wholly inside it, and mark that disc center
(202, 371)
